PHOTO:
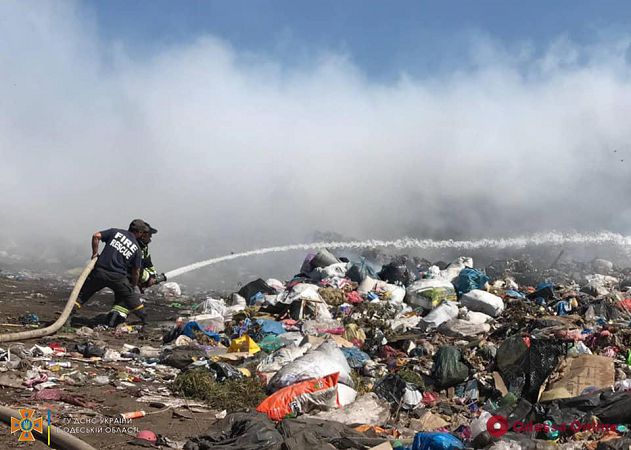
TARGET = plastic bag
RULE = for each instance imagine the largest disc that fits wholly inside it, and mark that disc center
(282, 357)
(301, 397)
(484, 302)
(400, 271)
(271, 343)
(452, 271)
(463, 329)
(470, 279)
(181, 357)
(436, 441)
(474, 316)
(478, 425)
(443, 313)
(191, 328)
(275, 284)
(239, 431)
(429, 294)
(511, 353)
(345, 395)
(366, 409)
(396, 293)
(224, 371)
(353, 333)
(271, 326)
(355, 357)
(251, 290)
(324, 360)
(171, 289)
(323, 258)
(358, 271)
(448, 369)
(398, 392)
(337, 270)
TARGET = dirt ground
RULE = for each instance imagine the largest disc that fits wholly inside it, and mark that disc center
(46, 298)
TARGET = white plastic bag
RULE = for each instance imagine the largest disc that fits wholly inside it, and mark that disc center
(282, 357)
(323, 361)
(397, 293)
(474, 316)
(428, 294)
(276, 284)
(446, 311)
(345, 395)
(214, 321)
(459, 328)
(337, 270)
(238, 302)
(171, 289)
(367, 285)
(366, 409)
(478, 426)
(484, 302)
(453, 270)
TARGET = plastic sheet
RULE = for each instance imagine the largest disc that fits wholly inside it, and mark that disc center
(239, 431)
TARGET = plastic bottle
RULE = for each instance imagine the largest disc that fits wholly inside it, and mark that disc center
(64, 364)
(133, 415)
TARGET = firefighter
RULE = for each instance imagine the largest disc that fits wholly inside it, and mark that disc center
(147, 278)
(118, 267)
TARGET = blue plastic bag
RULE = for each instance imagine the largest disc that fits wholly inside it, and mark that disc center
(355, 357)
(470, 279)
(358, 271)
(191, 327)
(514, 294)
(563, 308)
(436, 441)
(271, 326)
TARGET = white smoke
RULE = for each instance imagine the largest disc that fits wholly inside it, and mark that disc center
(222, 151)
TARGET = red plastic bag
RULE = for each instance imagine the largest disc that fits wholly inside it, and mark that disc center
(317, 393)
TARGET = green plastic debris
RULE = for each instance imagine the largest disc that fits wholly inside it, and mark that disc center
(271, 343)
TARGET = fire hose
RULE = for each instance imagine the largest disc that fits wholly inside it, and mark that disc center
(40, 332)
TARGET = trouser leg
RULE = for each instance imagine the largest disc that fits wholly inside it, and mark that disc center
(93, 283)
(127, 300)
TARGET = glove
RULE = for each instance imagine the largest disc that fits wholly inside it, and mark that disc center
(160, 278)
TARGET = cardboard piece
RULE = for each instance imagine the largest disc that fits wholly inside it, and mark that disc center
(499, 383)
(383, 446)
(581, 372)
(429, 422)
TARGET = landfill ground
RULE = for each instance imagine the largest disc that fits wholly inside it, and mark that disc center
(409, 355)
(47, 298)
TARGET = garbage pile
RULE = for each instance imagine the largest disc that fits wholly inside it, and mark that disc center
(411, 355)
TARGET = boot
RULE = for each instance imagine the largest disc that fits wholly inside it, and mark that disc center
(114, 318)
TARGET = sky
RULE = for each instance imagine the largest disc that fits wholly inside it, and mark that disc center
(236, 125)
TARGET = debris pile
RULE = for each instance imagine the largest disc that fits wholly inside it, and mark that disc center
(409, 355)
